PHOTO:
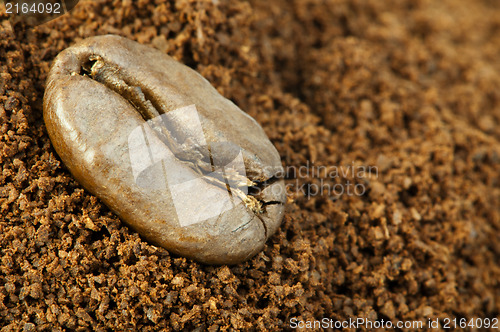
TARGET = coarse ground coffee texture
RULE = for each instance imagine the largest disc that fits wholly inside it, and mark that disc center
(386, 115)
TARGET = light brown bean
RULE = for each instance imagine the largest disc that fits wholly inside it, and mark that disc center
(175, 160)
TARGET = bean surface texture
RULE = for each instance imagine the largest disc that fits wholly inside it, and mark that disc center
(175, 160)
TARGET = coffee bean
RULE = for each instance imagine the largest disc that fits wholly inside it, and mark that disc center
(175, 160)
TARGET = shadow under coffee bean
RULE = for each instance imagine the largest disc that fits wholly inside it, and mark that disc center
(164, 150)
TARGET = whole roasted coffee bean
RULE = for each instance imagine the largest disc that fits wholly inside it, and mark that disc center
(164, 150)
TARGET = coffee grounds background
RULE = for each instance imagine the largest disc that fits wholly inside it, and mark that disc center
(410, 87)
